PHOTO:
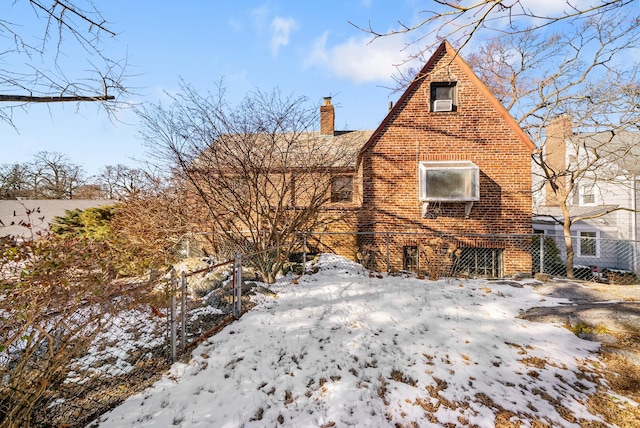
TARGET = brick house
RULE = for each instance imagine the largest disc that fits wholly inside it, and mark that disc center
(447, 161)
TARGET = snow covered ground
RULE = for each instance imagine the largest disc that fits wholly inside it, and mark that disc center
(345, 348)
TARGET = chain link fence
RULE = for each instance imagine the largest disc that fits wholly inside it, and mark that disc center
(596, 259)
(199, 296)
(482, 256)
(124, 348)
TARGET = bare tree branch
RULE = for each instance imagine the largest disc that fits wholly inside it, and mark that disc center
(40, 72)
(70, 98)
(260, 169)
(462, 21)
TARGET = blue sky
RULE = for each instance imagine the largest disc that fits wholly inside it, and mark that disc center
(302, 47)
(306, 48)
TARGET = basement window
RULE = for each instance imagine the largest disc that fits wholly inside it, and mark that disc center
(443, 96)
(342, 189)
(410, 258)
(480, 263)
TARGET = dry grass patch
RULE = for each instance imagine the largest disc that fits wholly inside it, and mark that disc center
(622, 378)
(398, 376)
(536, 362)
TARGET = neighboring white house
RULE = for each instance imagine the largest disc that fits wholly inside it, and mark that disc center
(609, 192)
(26, 218)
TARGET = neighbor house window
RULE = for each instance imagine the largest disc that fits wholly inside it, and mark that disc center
(588, 194)
(443, 96)
(410, 258)
(588, 243)
(342, 188)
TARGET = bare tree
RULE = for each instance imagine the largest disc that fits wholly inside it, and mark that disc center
(39, 71)
(259, 168)
(55, 176)
(462, 21)
(56, 297)
(577, 76)
(121, 181)
(14, 180)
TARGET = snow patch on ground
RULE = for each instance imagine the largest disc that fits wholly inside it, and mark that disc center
(347, 348)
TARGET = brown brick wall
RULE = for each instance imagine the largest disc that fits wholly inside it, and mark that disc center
(476, 132)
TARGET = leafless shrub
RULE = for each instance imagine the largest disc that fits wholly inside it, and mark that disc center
(439, 256)
(56, 297)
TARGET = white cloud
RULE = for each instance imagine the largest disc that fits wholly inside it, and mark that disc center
(281, 29)
(260, 15)
(359, 59)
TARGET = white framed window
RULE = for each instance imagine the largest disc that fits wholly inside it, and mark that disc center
(443, 96)
(448, 181)
(588, 245)
(587, 194)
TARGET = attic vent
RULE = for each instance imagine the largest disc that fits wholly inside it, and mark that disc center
(442, 105)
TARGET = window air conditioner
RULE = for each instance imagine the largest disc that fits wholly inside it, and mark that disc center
(442, 105)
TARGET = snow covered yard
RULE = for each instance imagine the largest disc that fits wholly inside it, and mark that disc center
(344, 348)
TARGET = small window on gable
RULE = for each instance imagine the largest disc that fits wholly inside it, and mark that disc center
(342, 188)
(588, 194)
(443, 96)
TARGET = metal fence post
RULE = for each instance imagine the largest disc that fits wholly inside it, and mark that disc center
(172, 312)
(183, 313)
(153, 276)
(388, 251)
(304, 252)
(237, 309)
(541, 253)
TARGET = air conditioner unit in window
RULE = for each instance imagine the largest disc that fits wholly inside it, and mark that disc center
(442, 105)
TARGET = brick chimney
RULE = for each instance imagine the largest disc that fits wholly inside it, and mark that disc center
(555, 149)
(327, 117)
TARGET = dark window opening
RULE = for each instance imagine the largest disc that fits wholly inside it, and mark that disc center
(480, 262)
(342, 188)
(443, 96)
(410, 258)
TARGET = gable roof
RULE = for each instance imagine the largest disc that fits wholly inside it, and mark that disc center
(553, 214)
(622, 147)
(445, 47)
